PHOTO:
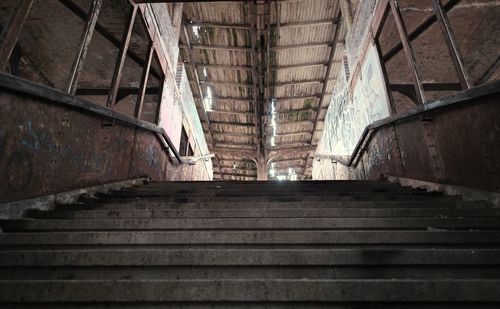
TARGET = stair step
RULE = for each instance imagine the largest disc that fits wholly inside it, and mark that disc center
(145, 204)
(277, 198)
(400, 290)
(251, 237)
(249, 272)
(250, 257)
(63, 213)
(251, 224)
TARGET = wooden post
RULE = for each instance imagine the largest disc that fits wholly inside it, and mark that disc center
(410, 56)
(78, 64)
(122, 55)
(12, 30)
(455, 54)
(177, 20)
(345, 7)
(144, 82)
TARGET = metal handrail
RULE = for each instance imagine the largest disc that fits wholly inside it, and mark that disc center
(449, 101)
(55, 96)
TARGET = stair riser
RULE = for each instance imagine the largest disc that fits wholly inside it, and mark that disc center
(267, 213)
(252, 290)
(252, 224)
(251, 257)
(262, 237)
(248, 273)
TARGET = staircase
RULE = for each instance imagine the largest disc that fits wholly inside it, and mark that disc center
(342, 244)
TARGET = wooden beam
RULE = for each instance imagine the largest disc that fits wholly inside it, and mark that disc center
(230, 99)
(223, 66)
(122, 54)
(235, 175)
(233, 134)
(177, 21)
(12, 29)
(455, 54)
(278, 84)
(255, 78)
(249, 49)
(303, 82)
(309, 45)
(331, 57)
(249, 27)
(273, 68)
(79, 62)
(238, 153)
(196, 79)
(322, 22)
(292, 134)
(345, 8)
(410, 56)
(213, 111)
(232, 124)
(217, 47)
(226, 83)
(236, 146)
(144, 82)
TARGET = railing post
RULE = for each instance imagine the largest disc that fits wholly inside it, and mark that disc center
(144, 82)
(449, 37)
(410, 56)
(79, 63)
(12, 30)
(122, 55)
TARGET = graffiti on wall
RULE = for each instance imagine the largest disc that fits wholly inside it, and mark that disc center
(354, 108)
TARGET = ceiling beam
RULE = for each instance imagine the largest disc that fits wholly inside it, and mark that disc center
(236, 175)
(236, 146)
(239, 124)
(278, 84)
(213, 111)
(249, 27)
(308, 45)
(273, 68)
(238, 153)
(331, 58)
(249, 49)
(329, 68)
(301, 82)
(218, 47)
(198, 87)
(234, 134)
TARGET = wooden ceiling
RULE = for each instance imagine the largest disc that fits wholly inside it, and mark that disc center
(262, 73)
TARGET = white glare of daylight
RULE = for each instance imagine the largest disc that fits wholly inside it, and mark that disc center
(281, 177)
(290, 171)
(196, 31)
(272, 171)
(208, 99)
(273, 122)
(205, 74)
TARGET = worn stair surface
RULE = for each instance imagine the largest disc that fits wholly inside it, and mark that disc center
(340, 244)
